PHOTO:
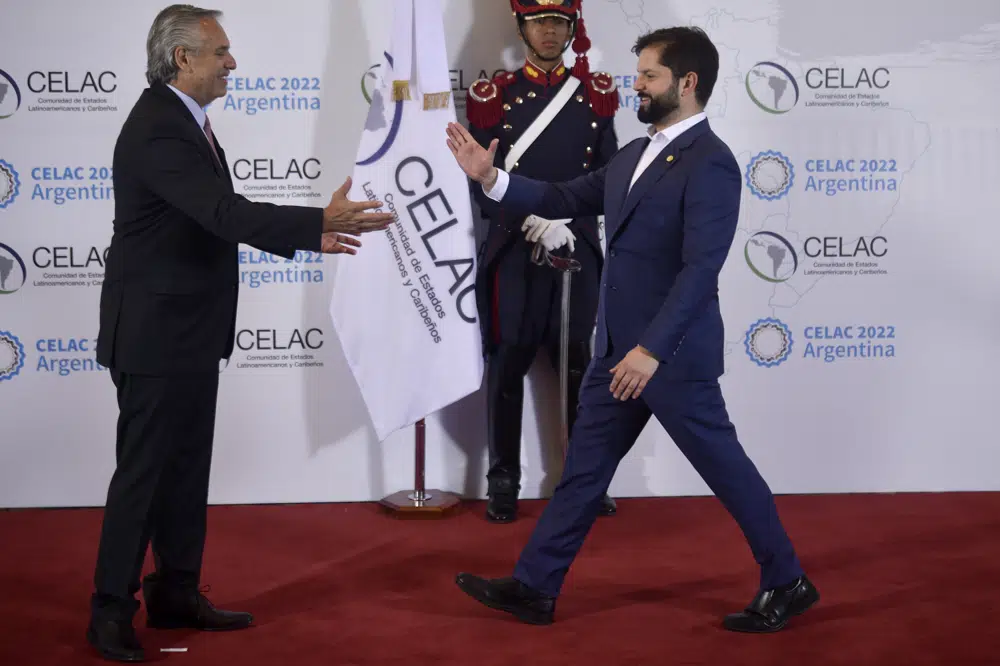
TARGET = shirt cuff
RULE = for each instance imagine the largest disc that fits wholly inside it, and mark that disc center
(499, 187)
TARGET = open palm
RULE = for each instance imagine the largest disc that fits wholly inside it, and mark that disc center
(476, 162)
(339, 244)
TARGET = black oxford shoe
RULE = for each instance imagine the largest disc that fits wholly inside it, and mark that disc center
(115, 640)
(608, 506)
(770, 610)
(169, 607)
(509, 595)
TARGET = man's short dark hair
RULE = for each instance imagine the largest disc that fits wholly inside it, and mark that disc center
(685, 49)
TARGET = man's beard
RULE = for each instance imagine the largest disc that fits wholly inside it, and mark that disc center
(659, 107)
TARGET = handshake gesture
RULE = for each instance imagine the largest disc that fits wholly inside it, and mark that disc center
(344, 219)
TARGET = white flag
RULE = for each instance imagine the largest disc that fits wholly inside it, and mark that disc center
(404, 307)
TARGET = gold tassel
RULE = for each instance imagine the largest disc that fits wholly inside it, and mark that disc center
(400, 91)
(436, 100)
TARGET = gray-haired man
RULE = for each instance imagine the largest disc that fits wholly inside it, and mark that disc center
(167, 317)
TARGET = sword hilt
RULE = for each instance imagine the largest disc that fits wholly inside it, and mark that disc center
(540, 256)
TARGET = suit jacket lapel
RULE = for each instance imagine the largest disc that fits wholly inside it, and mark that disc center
(192, 125)
(225, 164)
(621, 179)
(666, 160)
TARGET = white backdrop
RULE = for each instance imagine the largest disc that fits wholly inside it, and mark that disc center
(811, 101)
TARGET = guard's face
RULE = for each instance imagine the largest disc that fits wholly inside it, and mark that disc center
(656, 87)
(205, 71)
(547, 36)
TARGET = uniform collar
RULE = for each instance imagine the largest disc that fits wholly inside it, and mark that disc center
(539, 76)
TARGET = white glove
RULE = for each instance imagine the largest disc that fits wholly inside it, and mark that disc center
(535, 227)
(557, 236)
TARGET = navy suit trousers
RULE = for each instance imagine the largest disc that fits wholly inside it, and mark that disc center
(695, 417)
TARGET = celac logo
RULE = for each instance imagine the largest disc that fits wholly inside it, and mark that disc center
(11, 355)
(772, 87)
(10, 95)
(13, 273)
(378, 119)
(10, 185)
(770, 175)
(770, 256)
(768, 342)
(369, 82)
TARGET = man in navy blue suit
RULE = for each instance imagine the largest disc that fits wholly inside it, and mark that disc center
(671, 203)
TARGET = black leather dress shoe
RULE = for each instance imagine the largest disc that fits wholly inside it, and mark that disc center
(511, 596)
(171, 607)
(608, 506)
(115, 640)
(770, 610)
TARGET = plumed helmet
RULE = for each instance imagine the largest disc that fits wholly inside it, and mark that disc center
(532, 9)
(572, 11)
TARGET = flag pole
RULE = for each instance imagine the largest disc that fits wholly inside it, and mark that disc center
(419, 502)
(419, 494)
(421, 82)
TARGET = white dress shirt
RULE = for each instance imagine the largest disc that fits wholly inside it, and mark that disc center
(198, 112)
(658, 141)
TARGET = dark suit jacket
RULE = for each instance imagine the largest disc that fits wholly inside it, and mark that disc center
(168, 303)
(667, 241)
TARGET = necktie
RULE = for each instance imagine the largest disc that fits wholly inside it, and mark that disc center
(211, 140)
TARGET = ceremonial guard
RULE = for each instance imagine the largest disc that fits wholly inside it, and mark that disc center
(553, 124)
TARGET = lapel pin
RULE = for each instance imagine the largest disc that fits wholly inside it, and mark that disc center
(670, 158)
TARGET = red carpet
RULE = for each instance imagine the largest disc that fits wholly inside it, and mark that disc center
(905, 580)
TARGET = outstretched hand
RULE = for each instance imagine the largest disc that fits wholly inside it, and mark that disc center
(346, 217)
(476, 161)
(334, 243)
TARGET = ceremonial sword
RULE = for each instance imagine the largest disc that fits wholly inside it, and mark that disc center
(566, 266)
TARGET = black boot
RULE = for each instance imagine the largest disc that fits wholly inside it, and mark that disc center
(505, 397)
(502, 504)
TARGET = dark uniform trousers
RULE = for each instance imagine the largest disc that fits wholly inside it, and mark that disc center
(159, 492)
(538, 328)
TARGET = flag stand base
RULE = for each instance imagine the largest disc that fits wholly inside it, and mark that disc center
(420, 503)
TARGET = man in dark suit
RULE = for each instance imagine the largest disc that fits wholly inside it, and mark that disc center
(551, 127)
(167, 318)
(671, 203)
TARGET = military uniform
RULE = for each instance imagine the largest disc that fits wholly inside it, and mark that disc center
(519, 302)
